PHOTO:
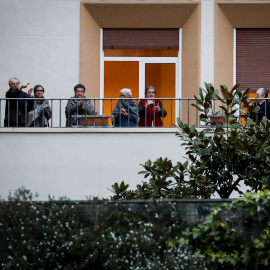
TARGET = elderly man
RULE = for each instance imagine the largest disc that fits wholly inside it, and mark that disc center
(263, 106)
(16, 110)
(78, 106)
(126, 110)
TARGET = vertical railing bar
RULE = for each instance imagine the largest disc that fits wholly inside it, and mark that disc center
(25, 115)
(43, 117)
(188, 111)
(154, 112)
(128, 113)
(137, 119)
(171, 113)
(180, 106)
(197, 118)
(17, 112)
(52, 113)
(60, 106)
(35, 103)
(68, 113)
(8, 112)
(77, 118)
(94, 112)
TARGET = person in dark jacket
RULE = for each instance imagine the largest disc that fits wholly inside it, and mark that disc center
(78, 105)
(16, 110)
(262, 106)
(126, 110)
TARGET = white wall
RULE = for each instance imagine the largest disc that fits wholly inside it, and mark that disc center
(207, 41)
(81, 162)
(39, 43)
(78, 163)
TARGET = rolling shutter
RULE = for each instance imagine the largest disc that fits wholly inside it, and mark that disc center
(253, 58)
(140, 38)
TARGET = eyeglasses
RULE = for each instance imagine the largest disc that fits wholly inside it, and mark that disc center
(39, 90)
(151, 92)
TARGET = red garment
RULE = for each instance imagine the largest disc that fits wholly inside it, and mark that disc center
(150, 115)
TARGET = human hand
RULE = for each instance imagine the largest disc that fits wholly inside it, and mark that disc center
(46, 107)
(157, 108)
(123, 112)
(81, 103)
(30, 91)
(149, 102)
(256, 109)
(24, 86)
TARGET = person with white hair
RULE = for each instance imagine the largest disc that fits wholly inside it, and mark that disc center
(126, 110)
(17, 108)
(263, 106)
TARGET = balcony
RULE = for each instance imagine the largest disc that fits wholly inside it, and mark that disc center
(18, 110)
(16, 113)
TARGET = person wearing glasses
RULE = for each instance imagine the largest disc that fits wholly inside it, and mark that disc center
(151, 111)
(16, 109)
(262, 106)
(41, 111)
(126, 110)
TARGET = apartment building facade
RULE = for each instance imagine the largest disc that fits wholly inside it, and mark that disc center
(109, 45)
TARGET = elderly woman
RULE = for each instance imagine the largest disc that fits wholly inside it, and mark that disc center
(41, 112)
(126, 110)
(151, 111)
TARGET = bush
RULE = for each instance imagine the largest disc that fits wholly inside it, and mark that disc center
(232, 154)
(238, 240)
(52, 235)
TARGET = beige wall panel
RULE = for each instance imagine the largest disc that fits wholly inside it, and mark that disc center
(147, 15)
(141, 15)
(246, 14)
(191, 59)
(89, 53)
(230, 15)
(223, 49)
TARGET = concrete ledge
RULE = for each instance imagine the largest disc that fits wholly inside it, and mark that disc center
(88, 130)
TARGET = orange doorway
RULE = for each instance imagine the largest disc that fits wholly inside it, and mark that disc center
(162, 77)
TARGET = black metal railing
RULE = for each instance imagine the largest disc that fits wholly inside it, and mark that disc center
(17, 112)
(163, 112)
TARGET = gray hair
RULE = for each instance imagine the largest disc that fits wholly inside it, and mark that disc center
(13, 79)
(263, 91)
(126, 92)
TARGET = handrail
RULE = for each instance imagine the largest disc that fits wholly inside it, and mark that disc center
(14, 112)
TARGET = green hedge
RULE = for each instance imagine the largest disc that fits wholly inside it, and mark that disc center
(55, 235)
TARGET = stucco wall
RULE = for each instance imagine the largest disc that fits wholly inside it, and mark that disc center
(81, 162)
(40, 44)
(78, 163)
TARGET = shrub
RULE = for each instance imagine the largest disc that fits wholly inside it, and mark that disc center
(232, 153)
(52, 235)
(239, 239)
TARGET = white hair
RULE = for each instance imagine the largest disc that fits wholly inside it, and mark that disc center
(126, 92)
(263, 92)
(13, 79)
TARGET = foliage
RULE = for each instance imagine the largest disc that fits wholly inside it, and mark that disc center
(220, 157)
(52, 235)
(234, 152)
(220, 238)
(136, 236)
(166, 181)
(40, 235)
